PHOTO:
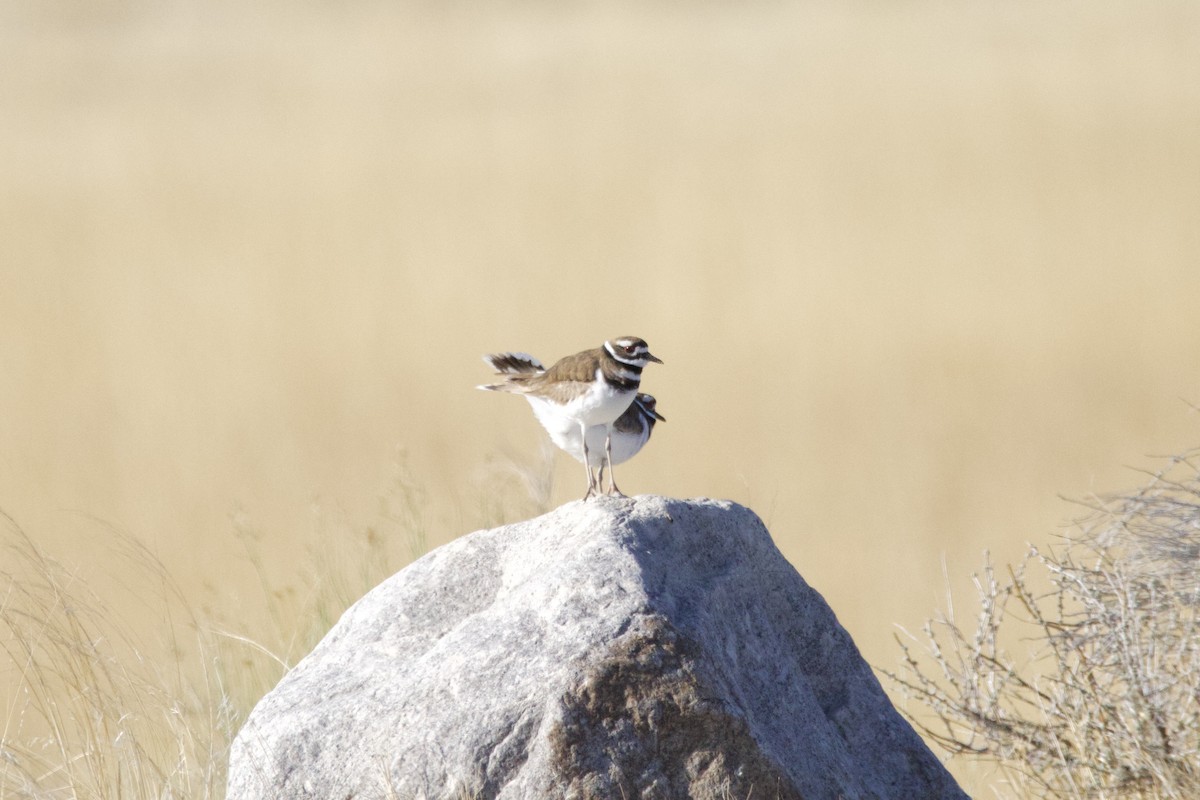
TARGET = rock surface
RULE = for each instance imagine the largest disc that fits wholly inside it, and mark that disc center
(643, 648)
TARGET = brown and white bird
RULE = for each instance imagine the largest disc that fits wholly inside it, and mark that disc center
(579, 399)
(630, 432)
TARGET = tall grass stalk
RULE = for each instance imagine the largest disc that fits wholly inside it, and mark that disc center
(92, 712)
(138, 693)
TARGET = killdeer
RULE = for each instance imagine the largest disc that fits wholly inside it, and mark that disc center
(586, 392)
(630, 432)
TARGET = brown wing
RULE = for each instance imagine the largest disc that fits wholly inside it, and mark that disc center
(579, 367)
(567, 379)
(560, 391)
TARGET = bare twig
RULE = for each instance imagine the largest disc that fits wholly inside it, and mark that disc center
(1107, 703)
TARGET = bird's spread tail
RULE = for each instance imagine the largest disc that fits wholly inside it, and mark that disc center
(514, 363)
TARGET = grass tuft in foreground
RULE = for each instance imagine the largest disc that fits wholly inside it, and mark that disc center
(91, 712)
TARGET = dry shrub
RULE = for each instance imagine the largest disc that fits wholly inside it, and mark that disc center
(1106, 704)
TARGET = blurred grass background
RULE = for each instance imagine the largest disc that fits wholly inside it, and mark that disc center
(915, 270)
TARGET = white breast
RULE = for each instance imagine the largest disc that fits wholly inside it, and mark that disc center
(601, 404)
(626, 445)
(565, 433)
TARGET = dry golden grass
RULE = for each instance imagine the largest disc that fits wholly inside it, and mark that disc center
(915, 270)
(98, 711)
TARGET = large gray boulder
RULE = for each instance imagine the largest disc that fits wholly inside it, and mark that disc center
(642, 648)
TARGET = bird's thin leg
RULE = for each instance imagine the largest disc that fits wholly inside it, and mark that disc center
(612, 477)
(593, 485)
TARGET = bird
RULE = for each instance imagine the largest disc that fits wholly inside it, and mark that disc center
(630, 432)
(587, 392)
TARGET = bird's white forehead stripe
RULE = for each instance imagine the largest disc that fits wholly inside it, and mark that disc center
(637, 356)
